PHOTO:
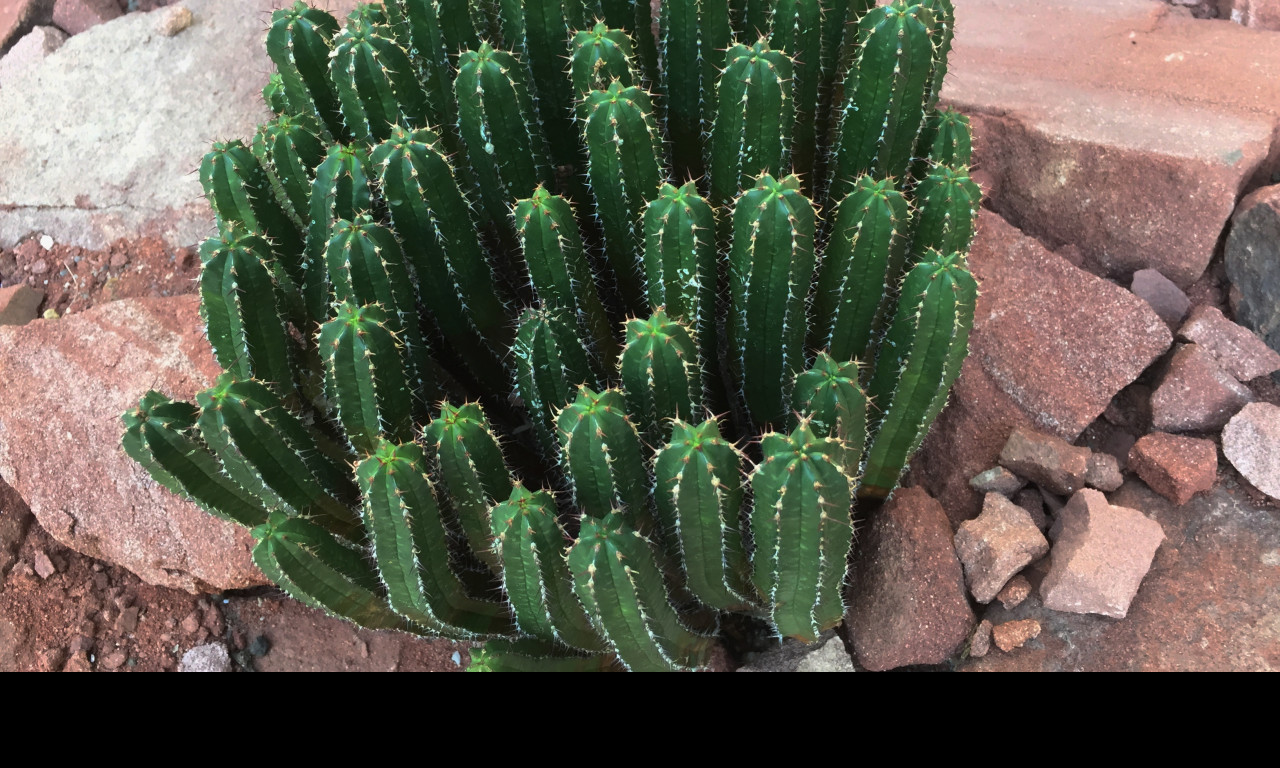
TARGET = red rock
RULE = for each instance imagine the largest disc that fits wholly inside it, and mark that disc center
(1015, 634)
(1105, 127)
(996, 545)
(1031, 500)
(908, 603)
(1164, 296)
(996, 480)
(43, 565)
(1241, 354)
(17, 17)
(980, 643)
(1252, 263)
(1251, 442)
(1103, 472)
(1175, 467)
(66, 384)
(75, 16)
(1259, 14)
(1017, 590)
(1048, 461)
(1100, 555)
(1051, 346)
(1196, 394)
(18, 304)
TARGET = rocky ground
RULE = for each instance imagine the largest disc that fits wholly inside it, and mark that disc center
(1102, 493)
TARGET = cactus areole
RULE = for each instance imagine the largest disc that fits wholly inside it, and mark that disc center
(552, 327)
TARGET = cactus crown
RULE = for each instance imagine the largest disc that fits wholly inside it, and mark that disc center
(550, 330)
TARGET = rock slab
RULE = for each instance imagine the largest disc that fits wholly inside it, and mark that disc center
(1196, 395)
(1251, 442)
(76, 16)
(908, 603)
(996, 545)
(66, 384)
(28, 52)
(1253, 262)
(18, 304)
(1241, 354)
(1050, 462)
(826, 655)
(1164, 296)
(1176, 467)
(1100, 555)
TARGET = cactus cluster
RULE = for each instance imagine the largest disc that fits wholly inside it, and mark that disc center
(548, 326)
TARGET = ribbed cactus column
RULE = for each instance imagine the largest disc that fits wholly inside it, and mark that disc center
(919, 361)
(795, 26)
(617, 579)
(547, 24)
(299, 43)
(496, 117)
(771, 266)
(550, 363)
(829, 397)
(602, 456)
(530, 544)
(861, 269)
(885, 93)
(624, 148)
(944, 19)
(948, 201)
(240, 192)
(340, 192)
(377, 85)
(411, 546)
(660, 374)
(161, 435)
(945, 139)
(693, 38)
(365, 377)
(802, 530)
(698, 494)
(434, 222)
(754, 118)
(289, 148)
(599, 56)
(635, 17)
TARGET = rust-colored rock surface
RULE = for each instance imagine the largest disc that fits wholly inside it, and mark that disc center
(1241, 354)
(1195, 394)
(1115, 125)
(66, 383)
(1015, 634)
(1051, 345)
(1048, 461)
(1176, 467)
(907, 598)
(997, 544)
(1251, 442)
(75, 16)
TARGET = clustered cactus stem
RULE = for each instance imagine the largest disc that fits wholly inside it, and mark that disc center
(553, 328)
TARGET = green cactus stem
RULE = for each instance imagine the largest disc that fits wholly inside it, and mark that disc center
(802, 530)
(885, 93)
(754, 119)
(299, 43)
(860, 270)
(547, 25)
(539, 586)
(829, 397)
(600, 55)
(694, 35)
(617, 579)
(771, 265)
(698, 493)
(160, 434)
(365, 377)
(239, 190)
(533, 655)
(289, 148)
(340, 192)
(411, 546)
(273, 94)
(919, 361)
(947, 199)
(635, 16)
(944, 18)
(945, 139)
(660, 374)
(624, 149)
(377, 85)
(550, 363)
(601, 454)
(795, 26)
(471, 469)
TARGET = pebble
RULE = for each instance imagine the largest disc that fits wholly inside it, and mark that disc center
(1251, 442)
(980, 643)
(38, 267)
(210, 657)
(1015, 634)
(119, 260)
(113, 661)
(173, 20)
(43, 565)
(1017, 590)
(46, 242)
(1048, 461)
(191, 624)
(996, 480)
(1103, 472)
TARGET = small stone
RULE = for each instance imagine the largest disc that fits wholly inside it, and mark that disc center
(980, 643)
(75, 16)
(1196, 394)
(50, 314)
(119, 259)
(26, 54)
(1251, 442)
(38, 267)
(260, 646)
(43, 565)
(1238, 351)
(1103, 472)
(996, 480)
(46, 242)
(50, 659)
(191, 624)
(1017, 590)
(826, 655)
(1100, 555)
(1045, 460)
(113, 661)
(1176, 467)
(996, 545)
(173, 20)
(1252, 260)
(79, 662)
(18, 304)
(210, 657)
(1164, 296)
(1014, 634)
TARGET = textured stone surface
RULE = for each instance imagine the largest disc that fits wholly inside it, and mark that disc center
(66, 383)
(1115, 125)
(1196, 394)
(1251, 442)
(17, 17)
(1253, 262)
(1164, 296)
(1017, 590)
(1103, 472)
(996, 480)
(18, 304)
(156, 101)
(28, 52)
(1176, 467)
(76, 16)
(210, 657)
(1100, 555)
(1015, 634)
(997, 544)
(980, 642)
(907, 602)
(1259, 14)
(826, 655)
(1237, 350)
(1051, 346)
(1050, 462)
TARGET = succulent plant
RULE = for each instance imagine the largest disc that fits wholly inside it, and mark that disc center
(552, 328)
